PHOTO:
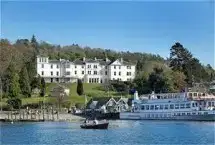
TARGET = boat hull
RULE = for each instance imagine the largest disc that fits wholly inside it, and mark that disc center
(142, 116)
(95, 126)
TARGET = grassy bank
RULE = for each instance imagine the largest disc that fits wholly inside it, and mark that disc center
(91, 90)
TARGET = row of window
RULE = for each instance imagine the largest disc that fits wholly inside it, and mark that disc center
(128, 73)
(166, 106)
(128, 67)
(42, 60)
(164, 115)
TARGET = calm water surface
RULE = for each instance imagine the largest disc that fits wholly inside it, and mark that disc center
(119, 132)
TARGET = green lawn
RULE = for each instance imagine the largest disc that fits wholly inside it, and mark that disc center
(91, 90)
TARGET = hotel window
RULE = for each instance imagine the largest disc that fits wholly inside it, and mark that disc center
(40, 60)
(51, 66)
(51, 73)
(128, 73)
(182, 106)
(57, 66)
(75, 72)
(89, 72)
(97, 80)
(114, 73)
(89, 66)
(82, 72)
(42, 73)
(119, 73)
(176, 106)
(171, 106)
(95, 66)
(42, 65)
(51, 79)
(105, 72)
(82, 66)
(57, 79)
(188, 105)
(128, 67)
(57, 73)
(166, 106)
(105, 67)
(114, 67)
(95, 72)
(90, 80)
(119, 67)
(68, 73)
(75, 66)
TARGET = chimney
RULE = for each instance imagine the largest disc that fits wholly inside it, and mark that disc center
(95, 58)
(84, 59)
(121, 59)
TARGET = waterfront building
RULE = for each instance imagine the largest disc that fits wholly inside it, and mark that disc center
(88, 70)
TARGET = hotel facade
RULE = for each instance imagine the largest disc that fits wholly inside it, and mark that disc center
(88, 70)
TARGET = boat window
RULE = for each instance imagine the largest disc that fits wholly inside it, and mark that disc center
(205, 113)
(188, 113)
(148, 115)
(190, 94)
(166, 106)
(196, 104)
(203, 94)
(209, 103)
(161, 115)
(143, 107)
(188, 105)
(152, 107)
(172, 106)
(193, 113)
(156, 107)
(161, 107)
(195, 94)
(212, 104)
(147, 107)
(199, 113)
(152, 115)
(176, 106)
(193, 104)
(165, 115)
(182, 113)
(156, 115)
(178, 114)
(182, 106)
(199, 94)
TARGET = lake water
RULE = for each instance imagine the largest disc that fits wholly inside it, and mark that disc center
(119, 132)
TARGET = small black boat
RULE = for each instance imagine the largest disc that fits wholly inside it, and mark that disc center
(95, 124)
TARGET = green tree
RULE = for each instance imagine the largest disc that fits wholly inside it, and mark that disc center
(34, 44)
(14, 103)
(80, 89)
(43, 87)
(36, 82)
(24, 82)
(13, 82)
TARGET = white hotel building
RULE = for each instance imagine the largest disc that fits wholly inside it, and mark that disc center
(88, 70)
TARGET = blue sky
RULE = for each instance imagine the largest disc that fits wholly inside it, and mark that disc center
(151, 27)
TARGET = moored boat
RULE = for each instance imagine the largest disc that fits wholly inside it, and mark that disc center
(193, 106)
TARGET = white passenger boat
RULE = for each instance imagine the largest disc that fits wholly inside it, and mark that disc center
(172, 106)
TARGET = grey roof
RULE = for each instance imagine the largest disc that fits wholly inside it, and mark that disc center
(54, 61)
